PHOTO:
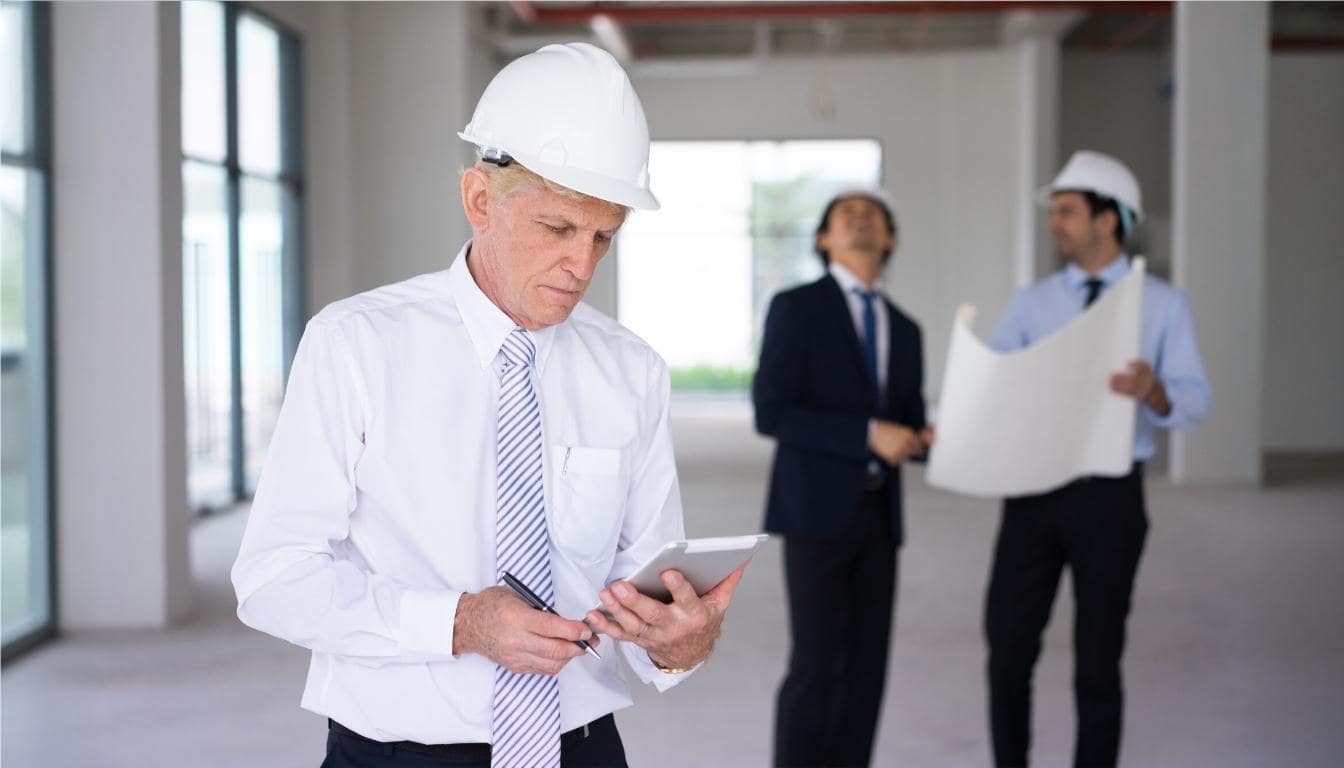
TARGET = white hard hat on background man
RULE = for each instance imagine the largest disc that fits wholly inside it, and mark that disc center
(1089, 171)
(569, 114)
(877, 194)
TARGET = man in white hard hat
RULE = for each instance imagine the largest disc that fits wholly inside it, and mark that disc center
(840, 388)
(442, 432)
(1094, 525)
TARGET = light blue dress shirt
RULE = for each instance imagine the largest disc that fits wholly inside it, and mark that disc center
(1167, 340)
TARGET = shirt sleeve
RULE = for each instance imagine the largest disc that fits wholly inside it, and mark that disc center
(1011, 332)
(1180, 368)
(291, 577)
(653, 512)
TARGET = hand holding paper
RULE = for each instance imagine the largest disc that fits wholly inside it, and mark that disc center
(1028, 421)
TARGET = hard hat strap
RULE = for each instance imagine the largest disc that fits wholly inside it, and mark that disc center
(1126, 218)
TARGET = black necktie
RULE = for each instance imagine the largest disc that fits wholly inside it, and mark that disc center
(1093, 290)
(869, 334)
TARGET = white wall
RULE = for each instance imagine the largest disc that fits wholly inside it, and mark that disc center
(1304, 329)
(949, 127)
(1120, 103)
(412, 66)
(121, 495)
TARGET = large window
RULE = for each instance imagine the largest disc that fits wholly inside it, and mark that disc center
(695, 278)
(25, 476)
(242, 180)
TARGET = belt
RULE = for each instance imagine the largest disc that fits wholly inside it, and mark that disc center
(1135, 470)
(466, 751)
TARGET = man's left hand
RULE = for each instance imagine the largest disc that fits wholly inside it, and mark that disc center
(1139, 382)
(679, 634)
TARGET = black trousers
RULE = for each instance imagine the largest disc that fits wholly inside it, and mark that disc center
(599, 747)
(841, 594)
(1095, 526)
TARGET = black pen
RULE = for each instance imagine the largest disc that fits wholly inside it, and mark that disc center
(522, 591)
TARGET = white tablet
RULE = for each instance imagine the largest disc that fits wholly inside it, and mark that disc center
(704, 563)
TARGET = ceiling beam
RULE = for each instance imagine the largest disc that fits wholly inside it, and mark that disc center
(729, 11)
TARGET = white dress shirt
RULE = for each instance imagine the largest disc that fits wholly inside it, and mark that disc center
(376, 508)
(850, 284)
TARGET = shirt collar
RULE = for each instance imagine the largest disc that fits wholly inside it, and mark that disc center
(1117, 269)
(848, 280)
(487, 325)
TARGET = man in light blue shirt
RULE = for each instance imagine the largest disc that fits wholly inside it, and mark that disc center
(1094, 525)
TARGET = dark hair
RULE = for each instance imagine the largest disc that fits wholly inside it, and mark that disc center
(1098, 205)
(822, 225)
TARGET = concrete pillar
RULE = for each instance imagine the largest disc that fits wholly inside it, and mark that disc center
(121, 501)
(1218, 227)
(408, 216)
(1038, 153)
(1035, 35)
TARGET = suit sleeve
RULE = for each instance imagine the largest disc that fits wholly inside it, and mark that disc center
(910, 411)
(778, 390)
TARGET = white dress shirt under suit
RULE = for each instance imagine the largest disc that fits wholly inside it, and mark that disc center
(376, 509)
(851, 285)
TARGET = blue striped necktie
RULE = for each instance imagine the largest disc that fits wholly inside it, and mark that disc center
(526, 721)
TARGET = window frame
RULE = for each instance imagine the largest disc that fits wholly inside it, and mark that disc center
(291, 180)
(38, 158)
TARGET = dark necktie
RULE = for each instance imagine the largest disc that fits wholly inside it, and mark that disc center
(1093, 290)
(869, 334)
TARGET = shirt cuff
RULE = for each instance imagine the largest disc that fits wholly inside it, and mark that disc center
(426, 621)
(647, 671)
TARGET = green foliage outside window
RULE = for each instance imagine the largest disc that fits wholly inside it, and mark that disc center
(709, 378)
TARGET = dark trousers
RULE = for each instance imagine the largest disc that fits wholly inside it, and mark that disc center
(840, 604)
(1096, 526)
(599, 747)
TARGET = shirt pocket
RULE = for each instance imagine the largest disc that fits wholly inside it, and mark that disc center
(588, 500)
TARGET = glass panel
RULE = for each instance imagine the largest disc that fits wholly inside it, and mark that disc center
(203, 107)
(24, 520)
(791, 183)
(262, 241)
(752, 229)
(207, 353)
(14, 74)
(258, 96)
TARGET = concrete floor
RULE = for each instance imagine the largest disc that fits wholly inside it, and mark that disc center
(1236, 653)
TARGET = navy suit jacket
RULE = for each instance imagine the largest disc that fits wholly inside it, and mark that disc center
(812, 393)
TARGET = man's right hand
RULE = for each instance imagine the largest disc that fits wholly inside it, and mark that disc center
(894, 443)
(496, 624)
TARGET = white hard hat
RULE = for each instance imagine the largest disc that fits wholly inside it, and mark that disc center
(1089, 171)
(568, 113)
(877, 194)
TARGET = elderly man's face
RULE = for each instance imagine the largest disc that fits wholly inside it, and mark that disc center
(534, 252)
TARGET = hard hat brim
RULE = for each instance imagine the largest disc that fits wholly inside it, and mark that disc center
(585, 182)
(1044, 194)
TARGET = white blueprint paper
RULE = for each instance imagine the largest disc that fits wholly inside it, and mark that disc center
(1024, 422)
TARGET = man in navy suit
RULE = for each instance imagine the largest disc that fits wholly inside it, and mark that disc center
(839, 387)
